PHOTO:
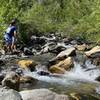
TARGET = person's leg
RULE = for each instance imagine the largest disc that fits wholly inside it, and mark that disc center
(13, 46)
(7, 46)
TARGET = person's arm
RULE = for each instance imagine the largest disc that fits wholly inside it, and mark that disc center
(15, 34)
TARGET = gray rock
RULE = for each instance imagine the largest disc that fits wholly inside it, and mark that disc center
(68, 52)
(11, 80)
(9, 94)
(27, 51)
(42, 94)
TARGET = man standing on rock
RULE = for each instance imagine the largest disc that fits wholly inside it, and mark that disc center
(10, 36)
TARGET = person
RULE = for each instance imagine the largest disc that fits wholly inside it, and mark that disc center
(10, 36)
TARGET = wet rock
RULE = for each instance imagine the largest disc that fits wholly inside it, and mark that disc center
(11, 80)
(13, 68)
(66, 40)
(98, 78)
(2, 52)
(34, 51)
(23, 55)
(74, 42)
(9, 57)
(27, 82)
(57, 49)
(96, 61)
(19, 71)
(27, 51)
(48, 47)
(42, 94)
(27, 64)
(68, 52)
(1, 77)
(66, 64)
(43, 73)
(63, 55)
(45, 50)
(9, 94)
(56, 69)
(94, 52)
(38, 40)
(82, 47)
(27, 79)
(79, 96)
(2, 62)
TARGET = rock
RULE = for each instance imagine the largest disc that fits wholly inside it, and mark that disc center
(66, 64)
(2, 52)
(67, 40)
(27, 79)
(74, 42)
(94, 52)
(11, 80)
(9, 94)
(27, 64)
(45, 50)
(98, 78)
(27, 51)
(68, 52)
(1, 77)
(34, 51)
(42, 94)
(48, 47)
(82, 47)
(19, 71)
(83, 96)
(43, 73)
(56, 69)
(96, 61)
(38, 40)
(23, 55)
(2, 62)
(27, 82)
(57, 49)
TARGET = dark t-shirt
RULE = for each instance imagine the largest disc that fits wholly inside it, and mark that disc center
(10, 31)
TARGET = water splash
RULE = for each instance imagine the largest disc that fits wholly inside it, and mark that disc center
(78, 72)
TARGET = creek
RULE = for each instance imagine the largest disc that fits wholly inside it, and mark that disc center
(79, 80)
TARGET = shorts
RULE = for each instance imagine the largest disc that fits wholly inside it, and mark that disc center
(9, 40)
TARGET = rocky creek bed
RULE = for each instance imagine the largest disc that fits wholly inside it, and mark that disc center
(51, 68)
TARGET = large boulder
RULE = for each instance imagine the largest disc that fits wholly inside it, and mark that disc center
(94, 52)
(63, 55)
(9, 94)
(63, 65)
(27, 64)
(68, 52)
(11, 80)
(42, 94)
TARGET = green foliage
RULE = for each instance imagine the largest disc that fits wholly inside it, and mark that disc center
(71, 17)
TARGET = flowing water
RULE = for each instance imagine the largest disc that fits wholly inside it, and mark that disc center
(81, 79)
